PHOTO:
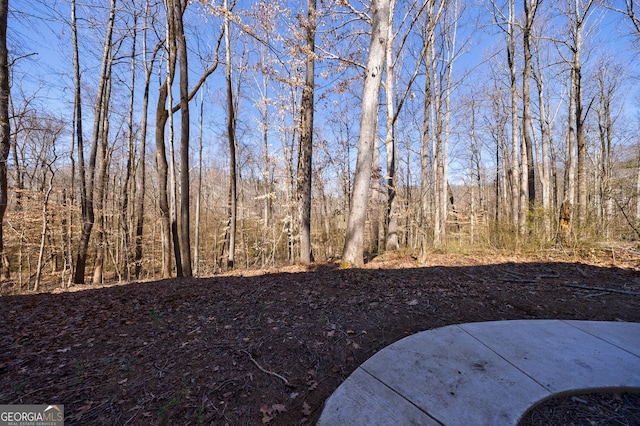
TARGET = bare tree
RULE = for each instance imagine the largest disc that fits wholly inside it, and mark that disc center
(142, 165)
(87, 176)
(185, 219)
(577, 13)
(231, 135)
(353, 252)
(305, 151)
(5, 129)
(608, 81)
(530, 9)
(124, 211)
(48, 173)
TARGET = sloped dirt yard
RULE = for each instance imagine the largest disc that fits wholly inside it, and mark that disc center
(269, 347)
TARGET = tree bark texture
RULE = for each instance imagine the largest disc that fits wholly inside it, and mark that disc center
(231, 135)
(354, 242)
(305, 151)
(5, 128)
(185, 219)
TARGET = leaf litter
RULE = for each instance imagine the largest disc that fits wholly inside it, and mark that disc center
(269, 347)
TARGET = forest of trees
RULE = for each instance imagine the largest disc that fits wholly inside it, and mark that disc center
(159, 138)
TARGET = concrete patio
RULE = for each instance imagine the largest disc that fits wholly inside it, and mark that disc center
(487, 373)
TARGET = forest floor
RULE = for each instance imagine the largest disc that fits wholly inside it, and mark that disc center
(258, 347)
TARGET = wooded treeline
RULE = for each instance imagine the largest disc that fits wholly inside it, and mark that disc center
(157, 138)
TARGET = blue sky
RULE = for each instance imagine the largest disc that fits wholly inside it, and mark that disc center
(40, 38)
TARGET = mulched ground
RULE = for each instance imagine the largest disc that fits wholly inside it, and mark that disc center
(597, 409)
(270, 347)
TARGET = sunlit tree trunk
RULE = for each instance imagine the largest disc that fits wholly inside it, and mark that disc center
(579, 11)
(163, 166)
(354, 242)
(5, 129)
(196, 242)
(87, 176)
(100, 186)
(305, 150)
(142, 165)
(45, 226)
(231, 135)
(544, 166)
(515, 166)
(426, 131)
(185, 199)
(530, 9)
(124, 197)
(392, 242)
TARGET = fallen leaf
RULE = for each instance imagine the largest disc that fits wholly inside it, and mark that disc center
(265, 409)
(280, 408)
(306, 409)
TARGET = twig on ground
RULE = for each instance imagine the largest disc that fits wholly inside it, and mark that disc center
(609, 290)
(286, 382)
(582, 272)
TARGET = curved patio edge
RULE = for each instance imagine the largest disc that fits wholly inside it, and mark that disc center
(486, 373)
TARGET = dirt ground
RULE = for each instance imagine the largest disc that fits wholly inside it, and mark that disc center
(260, 347)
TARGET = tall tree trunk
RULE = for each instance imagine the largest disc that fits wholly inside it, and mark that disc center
(196, 242)
(354, 242)
(100, 186)
(142, 164)
(185, 199)
(544, 165)
(5, 129)
(515, 167)
(87, 176)
(392, 242)
(580, 13)
(638, 189)
(305, 151)
(231, 135)
(530, 8)
(162, 166)
(126, 241)
(426, 131)
(172, 183)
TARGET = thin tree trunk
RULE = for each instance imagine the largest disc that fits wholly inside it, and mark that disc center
(101, 181)
(130, 152)
(142, 164)
(392, 242)
(87, 177)
(43, 235)
(5, 130)
(305, 151)
(196, 243)
(545, 139)
(162, 165)
(354, 242)
(530, 8)
(231, 134)
(426, 131)
(638, 189)
(579, 17)
(515, 167)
